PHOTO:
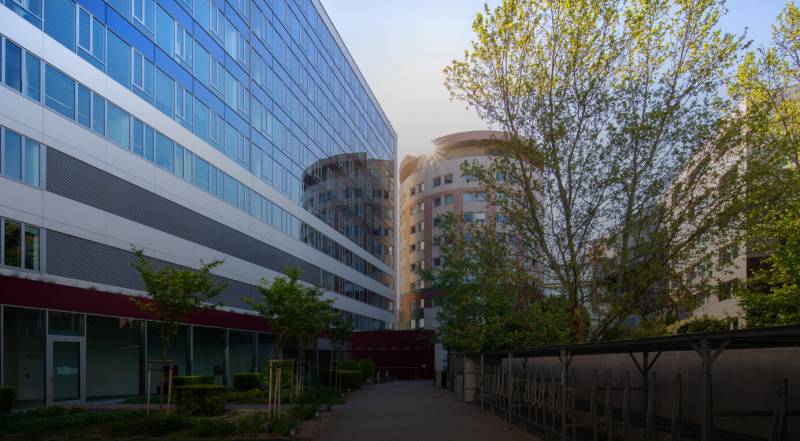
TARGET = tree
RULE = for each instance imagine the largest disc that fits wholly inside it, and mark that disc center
(494, 301)
(293, 311)
(767, 85)
(607, 104)
(174, 293)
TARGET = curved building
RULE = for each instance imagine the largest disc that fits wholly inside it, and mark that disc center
(430, 186)
(194, 130)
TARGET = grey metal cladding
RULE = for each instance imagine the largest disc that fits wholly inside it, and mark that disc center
(84, 183)
(77, 258)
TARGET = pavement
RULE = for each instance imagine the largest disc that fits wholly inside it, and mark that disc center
(410, 411)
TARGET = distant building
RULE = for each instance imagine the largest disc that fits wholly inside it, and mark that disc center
(431, 186)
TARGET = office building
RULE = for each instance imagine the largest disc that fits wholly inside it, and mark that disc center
(193, 129)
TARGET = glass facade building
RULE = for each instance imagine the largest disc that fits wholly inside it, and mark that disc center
(194, 129)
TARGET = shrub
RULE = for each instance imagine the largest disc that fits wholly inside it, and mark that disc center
(188, 380)
(253, 394)
(201, 399)
(304, 411)
(245, 381)
(349, 365)
(702, 324)
(155, 425)
(368, 368)
(351, 379)
(213, 428)
(7, 398)
(282, 425)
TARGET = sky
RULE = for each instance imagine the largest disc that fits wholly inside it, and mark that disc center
(401, 47)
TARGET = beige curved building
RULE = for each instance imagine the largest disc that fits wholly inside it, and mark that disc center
(430, 186)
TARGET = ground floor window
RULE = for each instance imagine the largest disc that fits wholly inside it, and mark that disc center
(114, 356)
(24, 339)
(209, 353)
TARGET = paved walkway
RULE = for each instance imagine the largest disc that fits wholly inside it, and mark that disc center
(411, 411)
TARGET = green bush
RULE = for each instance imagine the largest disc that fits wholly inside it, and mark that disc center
(703, 324)
(245, 381)
(188, 380)
(283, 425)
(213, 428)
(7, 399)
(60, 419)
(349, 365)
(201, 399)
(304, 412)
(368, 368)
(253, 394)
(351, 379)
(154, 425)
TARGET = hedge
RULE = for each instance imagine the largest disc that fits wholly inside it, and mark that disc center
(189, 380)
(201, 399)
(7, 398)
(351, 379)
(245, 381)
(368, 368)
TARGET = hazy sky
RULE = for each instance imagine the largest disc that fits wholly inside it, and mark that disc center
(401, 47)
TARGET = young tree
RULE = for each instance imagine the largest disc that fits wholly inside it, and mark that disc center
(494, 300)
(294, 312)
(605, 103)
(174, 293)
(767, 85)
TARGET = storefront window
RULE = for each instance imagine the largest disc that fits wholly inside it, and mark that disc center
(178, 349)
(242, 352)
(209, 353)
(24, 353)
(65, 323)
(113, 356)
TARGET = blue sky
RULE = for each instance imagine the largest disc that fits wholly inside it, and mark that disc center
(401, 47)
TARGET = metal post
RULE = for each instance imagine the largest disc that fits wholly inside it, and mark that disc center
(677, 410)
(650, 424)
(483, 382)
(509, 387)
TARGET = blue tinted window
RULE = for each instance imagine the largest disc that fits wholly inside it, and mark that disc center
(84, 30)
(165, 155)
(165, 93)
(32, 162)
(143, 11)
(149, 143)
(84, 106)
(179, 160)
(99, 40)
(201, 173)
(12, 155)
(98, 114)
(201, 119)
(119, 60)
(230, 190)
(122, 6)
(33, 77)
(31, 10)
(13, 66)
(59, 92)
(138, 137)
(165, 36)
(59, 21)
(201, 12)
(119, 126)
(201, 64)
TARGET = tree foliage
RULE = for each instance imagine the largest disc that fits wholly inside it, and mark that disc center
(608, 106)
(767, 85)
(174, 293)
(494, 300)
(295, 313)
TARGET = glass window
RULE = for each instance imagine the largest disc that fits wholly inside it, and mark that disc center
(119, 126)
(84, 30)
(201, 173)
(33, 77)
(164, 30)
(201, 64)
(59, 91)
(149, 143)
(209, 353)
(230, 190)
(32, 162)
(202, 9)
(65, 323)
(178, 350)
(242, 352)
(24, 339)
(468, 196)
(143, 11)
(12, 155)
(59, 21)
(437, 181)
(99, 114)
(138, 137)
(32, 248)
(84, 106)
(448, 199)
(179, 160)
(143, 74)
(165, 93)
(119, 60)
(448, 178)
(113, 354)
(165, 155)
(30, 10)
(183, 45)
(200, 119)
(13, 66)
(12, 243)
(183, 106)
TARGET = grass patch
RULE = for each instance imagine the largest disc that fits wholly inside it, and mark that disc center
(58, 418)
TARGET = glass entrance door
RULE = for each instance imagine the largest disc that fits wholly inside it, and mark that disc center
(66, 360)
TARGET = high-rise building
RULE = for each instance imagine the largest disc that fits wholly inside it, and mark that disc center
(194, 130)
(431, 186)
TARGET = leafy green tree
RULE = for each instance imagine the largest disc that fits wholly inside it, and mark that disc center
(494, 300)
(174, 293)
(295, 313)
(608, 106)
(767, 84)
